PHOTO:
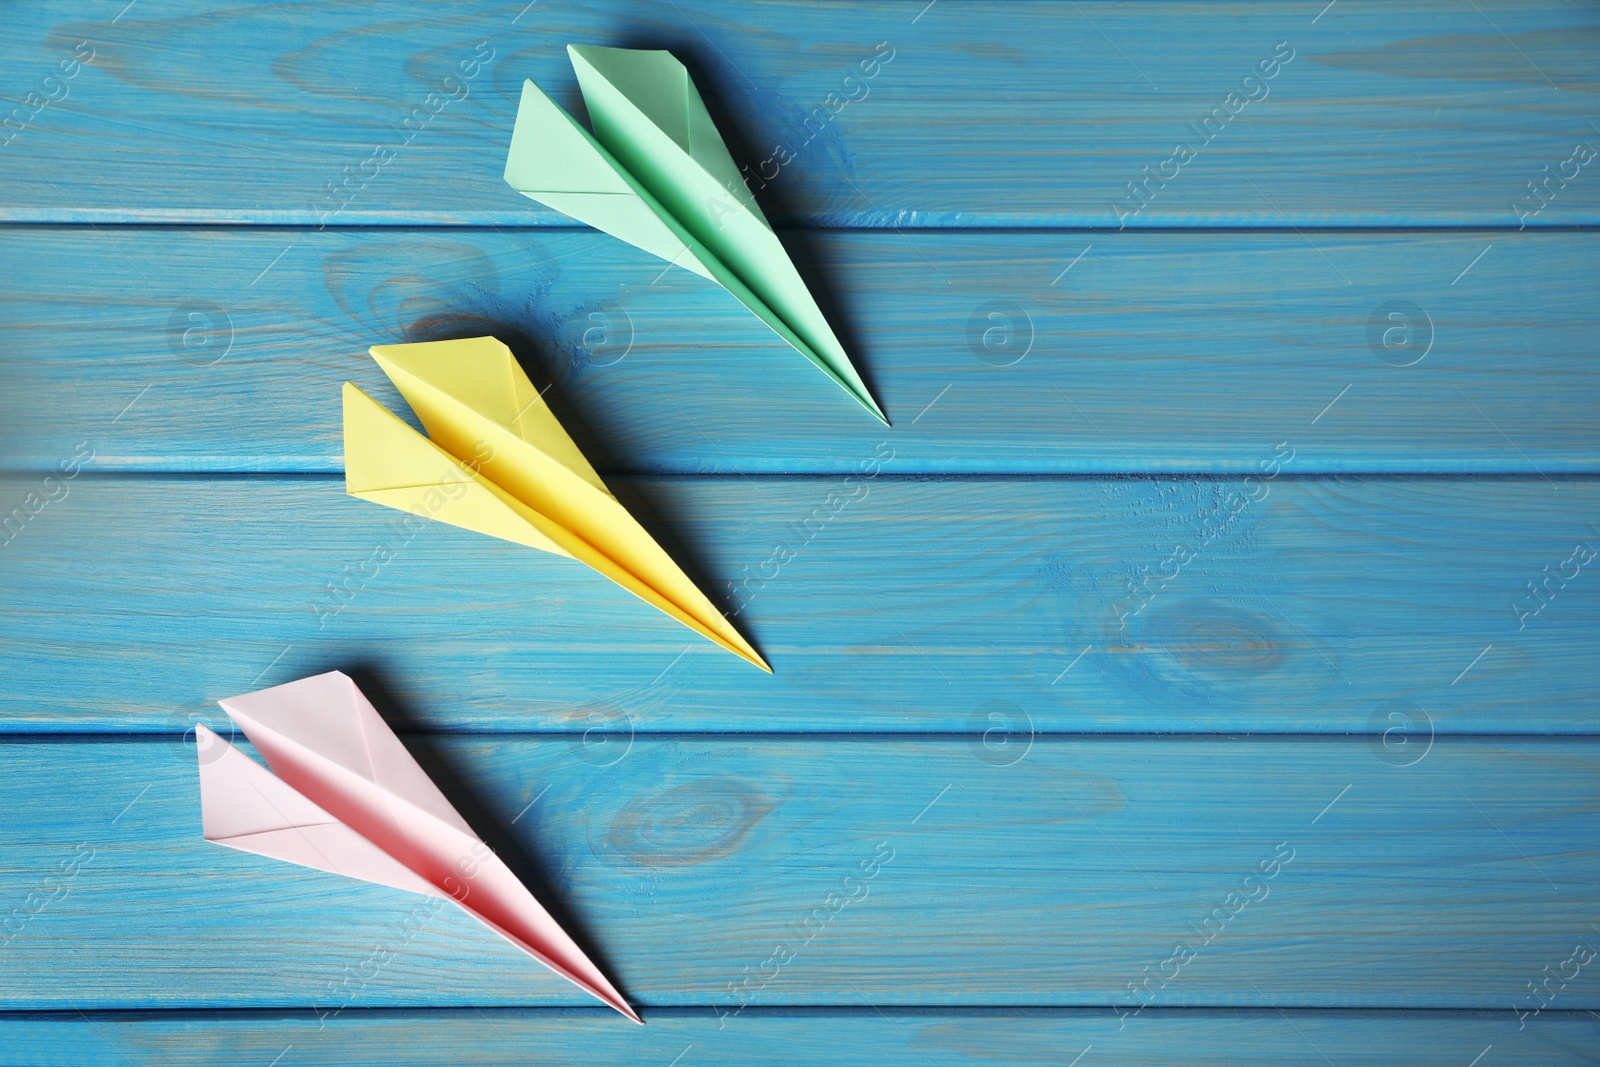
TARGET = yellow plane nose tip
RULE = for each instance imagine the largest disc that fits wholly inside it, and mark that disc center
(745, 651)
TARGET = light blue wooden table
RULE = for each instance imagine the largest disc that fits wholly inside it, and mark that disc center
(1210, 667)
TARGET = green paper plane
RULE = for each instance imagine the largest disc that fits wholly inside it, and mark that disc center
(656, 174)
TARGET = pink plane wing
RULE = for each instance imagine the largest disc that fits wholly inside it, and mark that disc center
(332, 751)
(243, 806)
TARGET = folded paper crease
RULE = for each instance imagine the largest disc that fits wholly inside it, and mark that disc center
(657, 174)
(343, 795)
(496, 461)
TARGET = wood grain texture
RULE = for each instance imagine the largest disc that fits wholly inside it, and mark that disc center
(959, 605)
(989, 114)
(224, 350)
(890, 1037)
(1352, 292)
(1050, 882)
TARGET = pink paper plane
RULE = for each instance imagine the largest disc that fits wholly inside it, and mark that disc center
(345, 796)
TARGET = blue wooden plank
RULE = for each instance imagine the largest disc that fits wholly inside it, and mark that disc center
(1293, 873)
(224, 350)
(1428, 871)
(988, 114)
(892, 1037)
(883, 604)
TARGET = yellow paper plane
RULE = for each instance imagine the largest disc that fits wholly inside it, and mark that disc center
(496, 461)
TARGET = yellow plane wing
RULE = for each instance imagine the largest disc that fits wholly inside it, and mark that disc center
(497, 461)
